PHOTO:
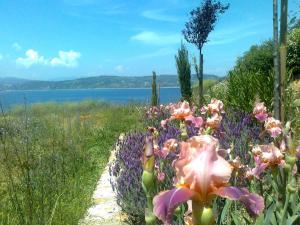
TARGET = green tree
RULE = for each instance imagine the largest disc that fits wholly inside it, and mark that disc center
(184, 72)
(154, 100)
(257, 58)
(201, 23)
(251, 77)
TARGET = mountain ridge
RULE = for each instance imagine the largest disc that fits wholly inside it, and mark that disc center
(104, 81)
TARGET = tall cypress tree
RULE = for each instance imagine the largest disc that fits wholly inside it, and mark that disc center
(184, 72)
(154, 100)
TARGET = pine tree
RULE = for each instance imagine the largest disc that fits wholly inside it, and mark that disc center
(184, 72)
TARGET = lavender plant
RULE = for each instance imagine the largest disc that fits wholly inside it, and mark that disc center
(127, 170)
(237, 130)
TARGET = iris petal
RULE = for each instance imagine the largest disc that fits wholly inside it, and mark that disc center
(253, 202)
(166, 202)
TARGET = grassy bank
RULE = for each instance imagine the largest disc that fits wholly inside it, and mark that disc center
(51, 156)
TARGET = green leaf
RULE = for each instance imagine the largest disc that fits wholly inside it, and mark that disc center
(291, 220)
(269, 213)
(224, 211)
(236, 219)
(260, 220)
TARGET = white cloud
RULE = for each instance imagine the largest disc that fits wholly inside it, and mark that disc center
(150, 37)
(66, 58)
(159, 15)
(32, 57)
(16, 46)
(119, 68)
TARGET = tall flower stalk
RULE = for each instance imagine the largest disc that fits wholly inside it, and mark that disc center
(148, 177)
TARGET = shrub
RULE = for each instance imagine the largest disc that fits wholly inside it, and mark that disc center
(258, 58)
(127, 170)
(243, 87)
(253, 74)
(218, 91)
(293, 53)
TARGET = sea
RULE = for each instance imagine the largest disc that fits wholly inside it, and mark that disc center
(9, 99)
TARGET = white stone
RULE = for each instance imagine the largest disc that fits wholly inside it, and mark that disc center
(105, 209)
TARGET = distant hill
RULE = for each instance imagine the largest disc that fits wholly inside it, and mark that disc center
(95, 82)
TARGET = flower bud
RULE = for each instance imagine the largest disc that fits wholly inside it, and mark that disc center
(291, 188)
(177, 211)
(147, 180)
(287, 168)
(208, 130)
(149, 164)
(207, 217)
(291, 160)
(150, 219)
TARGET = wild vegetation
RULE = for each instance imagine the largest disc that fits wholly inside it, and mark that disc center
(51, 156)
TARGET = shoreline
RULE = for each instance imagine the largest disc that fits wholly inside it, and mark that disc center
(85, 89)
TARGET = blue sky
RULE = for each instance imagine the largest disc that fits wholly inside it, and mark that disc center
(60, 39)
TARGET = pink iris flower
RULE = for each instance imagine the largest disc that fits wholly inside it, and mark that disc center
(273, 126)
(266, 156)
(169, 146)
(260, 111)
(181, 111)
(201, 175)
(196, 121)
(215, 106)
(214, 121)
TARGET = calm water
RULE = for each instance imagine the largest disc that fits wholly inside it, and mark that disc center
(143, 95)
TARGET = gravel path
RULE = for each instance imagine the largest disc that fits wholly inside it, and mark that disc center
(105, 210)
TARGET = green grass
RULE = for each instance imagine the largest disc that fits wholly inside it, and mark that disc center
(51, 156)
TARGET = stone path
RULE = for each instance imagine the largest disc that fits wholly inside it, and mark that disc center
(105, 210)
